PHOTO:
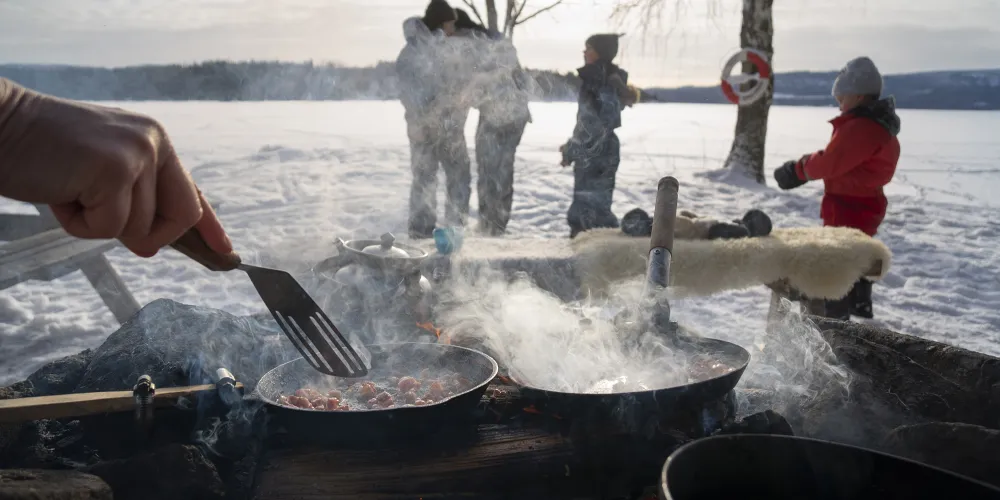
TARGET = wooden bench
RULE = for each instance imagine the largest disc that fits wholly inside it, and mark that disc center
(38, 249)
(781, 291)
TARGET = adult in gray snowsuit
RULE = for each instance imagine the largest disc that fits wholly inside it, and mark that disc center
(594, 150)
(435, 121)
(499, 89)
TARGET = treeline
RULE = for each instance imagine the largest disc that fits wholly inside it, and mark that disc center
(276, 81)
(239, 81)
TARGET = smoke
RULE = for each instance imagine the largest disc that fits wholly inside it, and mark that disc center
(795, 364)
(546, 343)
(549, 344)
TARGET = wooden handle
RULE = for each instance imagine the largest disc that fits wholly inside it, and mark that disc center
(664, 215)
(193, 245)
(90, 403)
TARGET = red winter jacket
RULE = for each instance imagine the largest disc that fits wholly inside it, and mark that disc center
(859, 160)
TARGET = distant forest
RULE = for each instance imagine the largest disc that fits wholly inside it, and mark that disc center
(276, 81)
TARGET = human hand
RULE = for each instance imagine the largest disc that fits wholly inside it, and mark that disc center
(787, 177)
(105, 172)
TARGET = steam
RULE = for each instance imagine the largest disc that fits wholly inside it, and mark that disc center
(548, 344)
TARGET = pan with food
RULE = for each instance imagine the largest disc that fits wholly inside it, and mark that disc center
(411, 385)
(684, 371)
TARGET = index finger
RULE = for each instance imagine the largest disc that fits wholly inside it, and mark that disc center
(211, 230)
(178, 207)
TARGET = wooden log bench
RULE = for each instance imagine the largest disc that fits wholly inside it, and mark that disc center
(505, 461)
(37, 249)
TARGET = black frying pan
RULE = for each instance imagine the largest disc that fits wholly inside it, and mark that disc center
(786, 467)
(399, 359)
(655, 316)
(662, 400)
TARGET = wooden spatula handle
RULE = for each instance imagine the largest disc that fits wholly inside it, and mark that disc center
(193, 245)
(664, 214)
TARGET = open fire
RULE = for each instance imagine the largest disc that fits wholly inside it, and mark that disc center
(442, 338)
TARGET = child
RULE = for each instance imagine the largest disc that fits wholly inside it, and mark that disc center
(857, 163)
(594, 149)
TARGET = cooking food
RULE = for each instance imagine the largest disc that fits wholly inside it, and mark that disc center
(379, 394)
(699, 368)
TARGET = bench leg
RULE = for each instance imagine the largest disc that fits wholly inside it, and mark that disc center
(110, 287)
(776, 312)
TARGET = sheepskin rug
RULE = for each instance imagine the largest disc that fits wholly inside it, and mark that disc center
(820, 262)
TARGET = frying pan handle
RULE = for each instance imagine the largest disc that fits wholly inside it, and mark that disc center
(664, 215)
(193, 245)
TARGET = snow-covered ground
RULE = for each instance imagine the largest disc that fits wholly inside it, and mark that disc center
(291, 176)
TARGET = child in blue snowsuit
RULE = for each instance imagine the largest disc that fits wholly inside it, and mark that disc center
(594, 148)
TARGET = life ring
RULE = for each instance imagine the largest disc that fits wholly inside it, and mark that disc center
(731, 84)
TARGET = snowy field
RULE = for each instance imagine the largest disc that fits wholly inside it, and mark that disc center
(289, 177)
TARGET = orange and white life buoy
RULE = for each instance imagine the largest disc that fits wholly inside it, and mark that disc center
(732, 84)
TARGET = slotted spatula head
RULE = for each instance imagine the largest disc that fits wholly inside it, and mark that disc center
(309, 328)
(298, 315)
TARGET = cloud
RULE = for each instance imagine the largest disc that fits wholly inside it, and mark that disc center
(685, 46)
(895, 48)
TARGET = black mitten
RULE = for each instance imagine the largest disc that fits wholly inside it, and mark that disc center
(726, 231)
(757, 222)
(786, 176)
(637, 223)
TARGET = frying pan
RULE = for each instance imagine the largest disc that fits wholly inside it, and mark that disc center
(787, 467)
(388, 360)
(662, 400)
(655, 316)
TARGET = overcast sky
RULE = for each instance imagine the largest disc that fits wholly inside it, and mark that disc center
(686, 46)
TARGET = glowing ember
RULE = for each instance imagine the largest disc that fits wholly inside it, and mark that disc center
(442, 338)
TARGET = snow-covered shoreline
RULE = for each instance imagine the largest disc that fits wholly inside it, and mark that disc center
(291, 176)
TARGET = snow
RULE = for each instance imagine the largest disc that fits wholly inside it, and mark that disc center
(291, 176)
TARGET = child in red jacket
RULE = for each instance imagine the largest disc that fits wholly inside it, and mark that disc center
(857, 163)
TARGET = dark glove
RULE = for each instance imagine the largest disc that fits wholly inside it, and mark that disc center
(787, 177)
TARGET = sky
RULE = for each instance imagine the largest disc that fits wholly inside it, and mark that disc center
(687, 44)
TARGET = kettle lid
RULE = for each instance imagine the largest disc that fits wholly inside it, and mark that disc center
(386, 248)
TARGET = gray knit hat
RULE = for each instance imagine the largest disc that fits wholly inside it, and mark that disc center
(858, 77)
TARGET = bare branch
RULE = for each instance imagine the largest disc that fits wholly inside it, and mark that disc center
(475, 11)
(537, 12)
(509, 17)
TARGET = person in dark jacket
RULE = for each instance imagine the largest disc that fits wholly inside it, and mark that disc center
(435, 121)
(594, 148)
(855, 166)
(499, 91)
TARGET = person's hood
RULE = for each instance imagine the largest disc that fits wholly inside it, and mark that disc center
(414, 29)
(883, 112)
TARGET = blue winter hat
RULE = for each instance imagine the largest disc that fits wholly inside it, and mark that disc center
(858, 77)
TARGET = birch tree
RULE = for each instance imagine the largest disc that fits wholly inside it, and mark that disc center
(516, 13)
(756, 32)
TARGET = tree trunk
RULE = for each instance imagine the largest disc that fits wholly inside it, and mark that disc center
(509, 21)
(491, 15)
(747, 153)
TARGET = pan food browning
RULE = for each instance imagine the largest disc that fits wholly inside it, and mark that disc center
(699, 368)
(379, 393)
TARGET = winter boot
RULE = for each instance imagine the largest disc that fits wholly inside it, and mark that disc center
(727, 231)
(637, 223)
(860, 299)
(756, 222)
(839, 309)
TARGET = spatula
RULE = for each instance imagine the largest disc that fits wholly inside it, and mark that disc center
(298, 315)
